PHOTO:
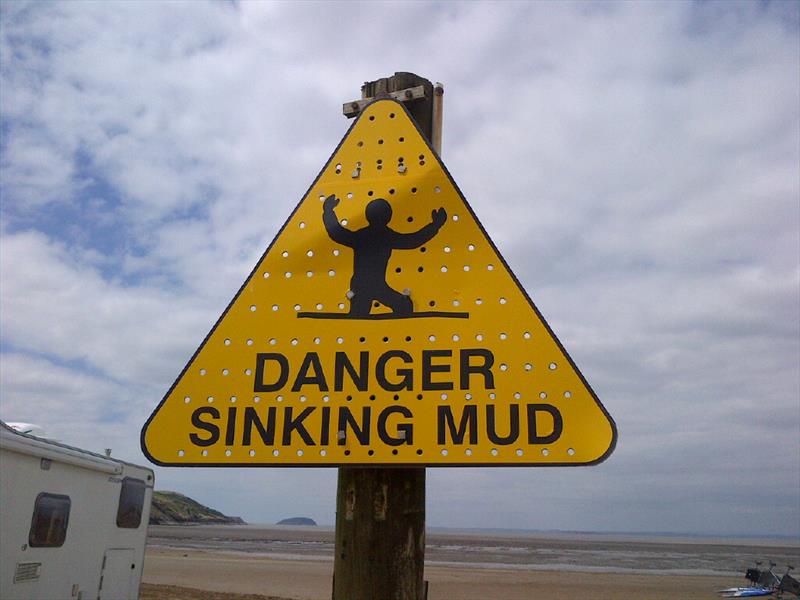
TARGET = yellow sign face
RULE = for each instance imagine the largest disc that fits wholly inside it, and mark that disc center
(381, 326)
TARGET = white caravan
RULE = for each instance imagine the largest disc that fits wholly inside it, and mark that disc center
(73, 523)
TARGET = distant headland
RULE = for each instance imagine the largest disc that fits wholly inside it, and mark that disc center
(298, 521)
(172, 508)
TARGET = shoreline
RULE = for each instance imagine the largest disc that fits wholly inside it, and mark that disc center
(240, 575)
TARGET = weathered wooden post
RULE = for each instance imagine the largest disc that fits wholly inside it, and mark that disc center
(380, 512)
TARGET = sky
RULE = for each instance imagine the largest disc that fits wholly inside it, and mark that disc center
(648, 153)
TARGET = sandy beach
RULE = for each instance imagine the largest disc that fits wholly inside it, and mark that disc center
(243, 577)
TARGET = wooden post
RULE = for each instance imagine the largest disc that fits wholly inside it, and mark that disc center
(380, 512)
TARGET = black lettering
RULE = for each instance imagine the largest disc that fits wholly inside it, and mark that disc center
(484, 369)
(428, 368)
(533, 433)
(251, 419)
(342, 363)
(263, 357)
(469, 418)
(346, 418)
(290, 425)
(406, 382)
(491, 428)
(230, 430)
(405, 431)
(318, 379)
(211, 428)
(325, 427)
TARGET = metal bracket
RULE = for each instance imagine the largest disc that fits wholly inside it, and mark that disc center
(352, 109)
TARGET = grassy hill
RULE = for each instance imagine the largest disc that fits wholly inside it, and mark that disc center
(172, 507)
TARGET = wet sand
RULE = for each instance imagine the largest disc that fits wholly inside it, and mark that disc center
(239, 576)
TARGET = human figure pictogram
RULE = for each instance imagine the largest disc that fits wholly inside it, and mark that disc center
(372, 247)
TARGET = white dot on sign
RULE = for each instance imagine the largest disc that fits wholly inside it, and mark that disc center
(322, 198)
(323, 452)
(276, 452)
(317, 341)
(571, 451)
(456, 303)
(272, 341)
(210, 399)
(455, 337)
(233, 398)
(252, 308)
(542, 395)
(302, 225)
(225, 372)
(455, 217)
(344, 221)
(492, 395)
(567, 394)
(319, 306)
(468, 451)
(444, 269)
(309, 273)
(227, 342)
(552, 366)
(504, 367)
(478, 301)
(274, 308)
(494, 451)
(471, 247)
(279, 398)
(349, 194)
(285, 253)
(299, 453)
(228, 452)
(437, 189)
(502, 300)
(447, 248)
(310, 253)
(187, 399)
(204, 453)
(339, 340)
(503, 336)
(527, 335)
(468, 396)
(479, 337)
(302, 398)
(336, 252)
(331, 273)
(490, 267)
(294, 341)
(326, 398)
(545, 452)
(528, 366)
(444, 396)
(517, 395)
(519, 452)
(249, 342)
(297, 307)
(288, 274)
(266, 275)
(341, 305)
(256, 399)
(466, 267)
(252, 453)
(444, 451)
(431, 338)
(181, 452)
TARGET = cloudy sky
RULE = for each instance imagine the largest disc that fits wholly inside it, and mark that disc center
(648, 153)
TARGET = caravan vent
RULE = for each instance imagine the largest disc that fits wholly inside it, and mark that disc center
(27, 572)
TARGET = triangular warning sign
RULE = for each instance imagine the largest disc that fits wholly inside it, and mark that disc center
(381, 326)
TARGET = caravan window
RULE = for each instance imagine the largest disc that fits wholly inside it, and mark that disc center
(50, 518)
(131, 501)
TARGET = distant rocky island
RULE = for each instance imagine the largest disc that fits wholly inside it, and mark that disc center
(297, 521)
(172, 508)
